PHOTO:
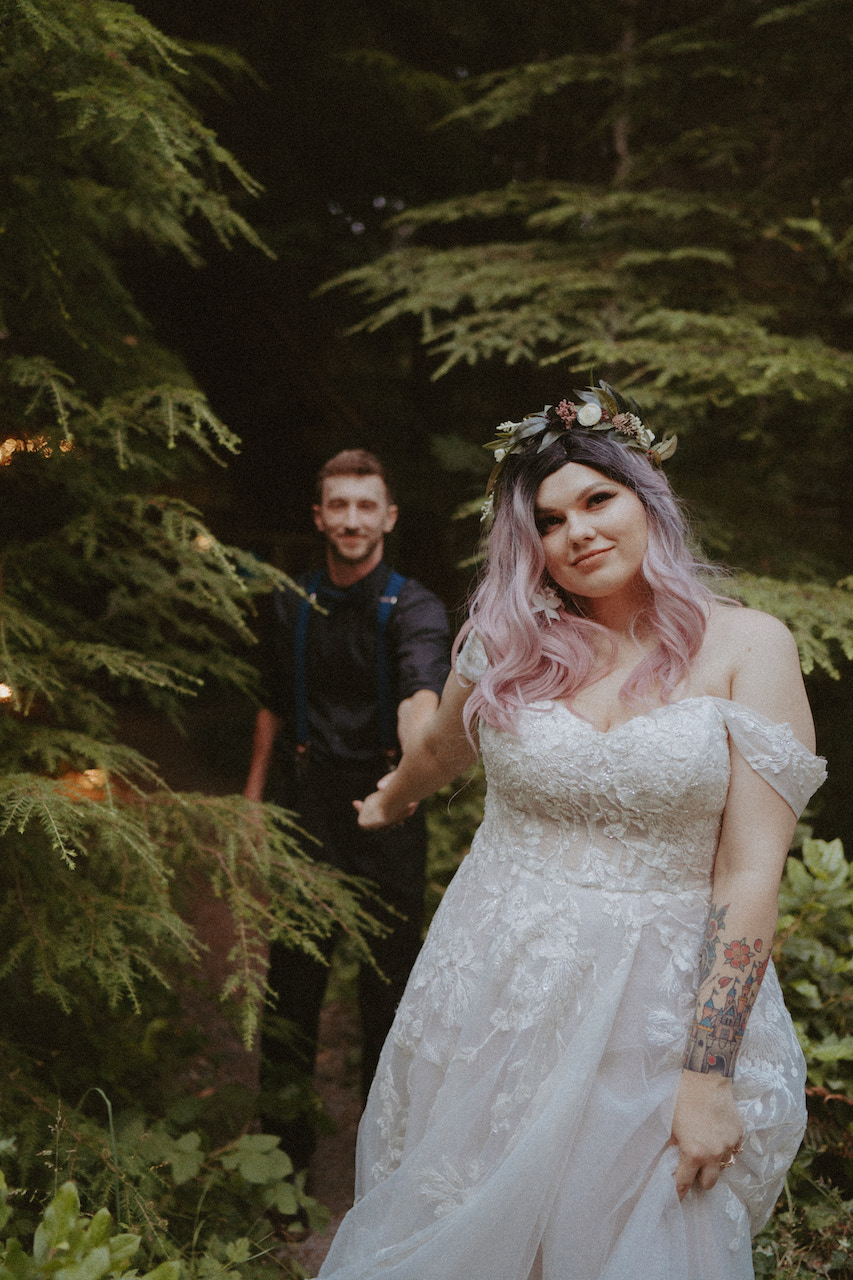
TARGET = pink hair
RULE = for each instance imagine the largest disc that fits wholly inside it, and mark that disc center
(532, 659)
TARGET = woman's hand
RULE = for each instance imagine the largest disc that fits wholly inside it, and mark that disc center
(706, 1128)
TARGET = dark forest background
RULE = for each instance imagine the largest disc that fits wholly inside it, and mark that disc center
(340, 132)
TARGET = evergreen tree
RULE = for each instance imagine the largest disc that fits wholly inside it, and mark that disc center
(678, 219)
(111, 585)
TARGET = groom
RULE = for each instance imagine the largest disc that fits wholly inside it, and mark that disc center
(346, 691)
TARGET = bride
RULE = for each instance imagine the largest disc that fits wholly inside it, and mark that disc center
(592, 1074)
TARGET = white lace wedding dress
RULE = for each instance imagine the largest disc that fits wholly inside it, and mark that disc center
(518, 1123)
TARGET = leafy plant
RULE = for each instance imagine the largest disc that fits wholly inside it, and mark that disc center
(804, 1240)
(194, 1207)
(69, 1245)
(811, 1232)
(815, 957)
(171, 1174)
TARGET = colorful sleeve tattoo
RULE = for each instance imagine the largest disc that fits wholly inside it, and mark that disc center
(730, 973)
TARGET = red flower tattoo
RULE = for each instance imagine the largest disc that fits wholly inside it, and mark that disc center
(738, 954)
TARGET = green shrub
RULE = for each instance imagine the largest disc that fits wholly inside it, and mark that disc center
(815, 959)
(195, 1209)
(811, 1233)
(68, 1245)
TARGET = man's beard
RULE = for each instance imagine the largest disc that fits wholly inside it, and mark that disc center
(346, 556)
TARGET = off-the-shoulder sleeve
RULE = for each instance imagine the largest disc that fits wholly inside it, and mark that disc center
(774, 753)
(471, 661)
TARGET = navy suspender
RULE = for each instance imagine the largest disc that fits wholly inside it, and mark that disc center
(387, 717)
(387, 710)
(300, 641)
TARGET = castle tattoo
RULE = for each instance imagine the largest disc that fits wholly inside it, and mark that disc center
(730, 973)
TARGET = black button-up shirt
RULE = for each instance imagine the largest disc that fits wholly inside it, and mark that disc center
(340, 661)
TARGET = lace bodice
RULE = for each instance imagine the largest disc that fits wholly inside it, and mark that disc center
(637, 807)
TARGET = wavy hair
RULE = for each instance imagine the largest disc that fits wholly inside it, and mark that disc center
(530, 658)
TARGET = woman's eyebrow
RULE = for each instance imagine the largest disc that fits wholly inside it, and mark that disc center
(584, 493)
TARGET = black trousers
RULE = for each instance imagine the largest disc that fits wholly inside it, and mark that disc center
(395, 861)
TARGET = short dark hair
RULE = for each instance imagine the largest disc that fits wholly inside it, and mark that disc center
(352, 462)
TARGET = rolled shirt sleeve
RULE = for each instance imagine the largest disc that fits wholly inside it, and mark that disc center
(421, 639)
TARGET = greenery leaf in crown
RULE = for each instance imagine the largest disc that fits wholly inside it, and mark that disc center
(601, 408)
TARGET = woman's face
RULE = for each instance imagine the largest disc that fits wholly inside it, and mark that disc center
(594, 533)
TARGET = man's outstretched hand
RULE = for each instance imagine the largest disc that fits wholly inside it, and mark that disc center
(374, 812)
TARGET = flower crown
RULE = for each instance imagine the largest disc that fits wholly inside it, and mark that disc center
(601, 409)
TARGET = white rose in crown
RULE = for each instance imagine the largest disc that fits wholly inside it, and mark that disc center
(589, 415)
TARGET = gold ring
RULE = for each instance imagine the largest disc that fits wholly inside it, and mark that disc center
(724, 1164)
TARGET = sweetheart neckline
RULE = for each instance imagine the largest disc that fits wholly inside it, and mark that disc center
(643, 715)
(741, 723)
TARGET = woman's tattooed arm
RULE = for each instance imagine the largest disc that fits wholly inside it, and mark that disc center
(730, 973)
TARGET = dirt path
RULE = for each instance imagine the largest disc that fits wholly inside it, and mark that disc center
(333, 1164)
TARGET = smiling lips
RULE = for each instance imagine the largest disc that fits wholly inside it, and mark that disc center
(589, 556)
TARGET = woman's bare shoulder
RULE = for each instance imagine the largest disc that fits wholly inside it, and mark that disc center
(743, 632)
(757, 658)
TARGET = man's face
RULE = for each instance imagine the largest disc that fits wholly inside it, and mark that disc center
(354, 516)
